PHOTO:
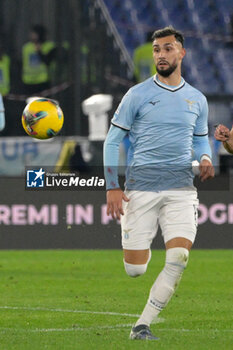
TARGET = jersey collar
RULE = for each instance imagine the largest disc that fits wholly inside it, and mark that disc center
(168, 87)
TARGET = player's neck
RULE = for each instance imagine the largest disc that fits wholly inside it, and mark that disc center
(173, 80)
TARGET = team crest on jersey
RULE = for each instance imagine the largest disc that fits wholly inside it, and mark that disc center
(126, 233)
(190, 103)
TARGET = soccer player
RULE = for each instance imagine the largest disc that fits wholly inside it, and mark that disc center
(222, 133)
(166, 119)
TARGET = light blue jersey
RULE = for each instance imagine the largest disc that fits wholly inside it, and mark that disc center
(163, 122)
(2, 114)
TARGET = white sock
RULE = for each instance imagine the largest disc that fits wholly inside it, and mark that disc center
(165, 284)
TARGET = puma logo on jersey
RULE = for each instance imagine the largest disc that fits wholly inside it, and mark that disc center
(190, 103)
(154, 102)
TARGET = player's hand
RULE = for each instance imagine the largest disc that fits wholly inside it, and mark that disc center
(114, 203)
(222, 133)
(206, 170)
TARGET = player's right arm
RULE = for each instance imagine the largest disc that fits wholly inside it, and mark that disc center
(115, 195)
(121, 124)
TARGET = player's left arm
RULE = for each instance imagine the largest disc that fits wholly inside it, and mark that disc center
(201, 146)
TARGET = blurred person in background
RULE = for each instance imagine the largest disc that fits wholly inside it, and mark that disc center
(38, 56)
(143, 60)
(4, 70)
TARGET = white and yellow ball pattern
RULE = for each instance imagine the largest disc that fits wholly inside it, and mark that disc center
(42, 118)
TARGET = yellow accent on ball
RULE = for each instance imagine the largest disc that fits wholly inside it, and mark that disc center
(42, 118)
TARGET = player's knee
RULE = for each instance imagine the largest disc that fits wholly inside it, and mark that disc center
(176, 260)
(178, 256)
(135, 270)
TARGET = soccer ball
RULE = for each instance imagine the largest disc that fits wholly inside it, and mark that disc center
(42, 118)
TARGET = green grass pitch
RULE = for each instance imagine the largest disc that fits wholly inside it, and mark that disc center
(84, 300)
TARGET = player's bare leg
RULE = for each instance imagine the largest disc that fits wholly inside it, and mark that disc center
(136, 256)
(177, 252)
(136, 261)
(179, 242)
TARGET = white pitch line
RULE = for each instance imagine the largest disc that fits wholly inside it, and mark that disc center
(74, 329)
(70, 311)
(47, 330)
(159, 320)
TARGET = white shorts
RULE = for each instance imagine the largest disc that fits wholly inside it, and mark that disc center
(175, 211)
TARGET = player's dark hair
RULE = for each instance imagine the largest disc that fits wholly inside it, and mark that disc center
(162, 33)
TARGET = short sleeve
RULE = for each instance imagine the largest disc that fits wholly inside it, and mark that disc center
(201, 127)
(126, 112)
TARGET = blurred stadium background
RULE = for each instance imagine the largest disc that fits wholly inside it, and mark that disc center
(99, 38)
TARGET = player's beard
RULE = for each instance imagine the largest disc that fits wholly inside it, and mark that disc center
(166, 72)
